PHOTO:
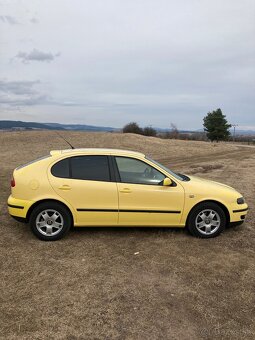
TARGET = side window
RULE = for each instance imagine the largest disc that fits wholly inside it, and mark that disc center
(135, 171)
(61, 169)
(93, 168)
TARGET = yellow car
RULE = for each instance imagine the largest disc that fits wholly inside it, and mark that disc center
(107, 187)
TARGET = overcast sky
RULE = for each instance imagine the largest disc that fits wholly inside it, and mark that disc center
(109, 62)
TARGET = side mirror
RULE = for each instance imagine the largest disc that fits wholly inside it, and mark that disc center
(167, 182)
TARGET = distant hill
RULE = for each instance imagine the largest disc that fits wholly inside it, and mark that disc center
(244, 133)
(80, 127)
(20, 125)
(238, 132)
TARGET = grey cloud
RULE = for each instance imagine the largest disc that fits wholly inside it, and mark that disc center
(24, 100)
(21, 93)
(34, 20)
(36, 55)
(9, 19)
(18, 87)
(25, 93)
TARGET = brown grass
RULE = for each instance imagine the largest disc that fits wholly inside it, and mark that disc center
(90, 285)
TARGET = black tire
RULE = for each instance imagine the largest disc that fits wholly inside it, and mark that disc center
(55, 217)
(199, 223)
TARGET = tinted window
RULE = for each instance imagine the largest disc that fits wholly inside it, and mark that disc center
(134, 171)
(94, 168)
(61, 169)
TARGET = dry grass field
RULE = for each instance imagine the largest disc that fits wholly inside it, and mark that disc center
(91, 285)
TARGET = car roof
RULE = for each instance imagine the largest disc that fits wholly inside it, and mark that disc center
(96, 151)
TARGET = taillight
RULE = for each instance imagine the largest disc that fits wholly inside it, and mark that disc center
(13, 182)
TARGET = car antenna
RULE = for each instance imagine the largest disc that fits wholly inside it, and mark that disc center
(72, 147)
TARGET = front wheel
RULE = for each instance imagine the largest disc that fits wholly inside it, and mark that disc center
(206, 220)
(50, 221)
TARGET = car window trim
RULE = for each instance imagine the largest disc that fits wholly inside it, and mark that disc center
(115, 169)
(70, 167)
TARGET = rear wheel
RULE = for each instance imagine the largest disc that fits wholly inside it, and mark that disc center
(50, 221)
(206, 220)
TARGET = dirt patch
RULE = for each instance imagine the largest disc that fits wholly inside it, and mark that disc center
(205, 168)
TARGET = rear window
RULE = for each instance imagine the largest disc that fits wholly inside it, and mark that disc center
(36, 160)
(92, 168)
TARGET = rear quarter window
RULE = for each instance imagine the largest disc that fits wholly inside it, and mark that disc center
(61, 169)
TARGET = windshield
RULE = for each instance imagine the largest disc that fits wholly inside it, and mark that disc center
(180, 178)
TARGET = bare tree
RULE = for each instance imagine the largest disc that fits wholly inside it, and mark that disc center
(174, 133)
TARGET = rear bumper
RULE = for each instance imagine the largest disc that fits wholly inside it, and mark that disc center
(18, 208)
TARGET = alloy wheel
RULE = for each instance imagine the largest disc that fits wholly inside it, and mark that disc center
(207, 222)
(49, 222)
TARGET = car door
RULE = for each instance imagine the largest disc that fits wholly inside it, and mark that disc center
(143, 200)
(85, 183)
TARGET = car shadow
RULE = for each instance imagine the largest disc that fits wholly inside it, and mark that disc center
(128, 230)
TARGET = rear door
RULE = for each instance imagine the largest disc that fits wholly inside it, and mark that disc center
(85, 182)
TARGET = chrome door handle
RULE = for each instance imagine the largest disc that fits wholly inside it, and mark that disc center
(126, 191)
(65, 187)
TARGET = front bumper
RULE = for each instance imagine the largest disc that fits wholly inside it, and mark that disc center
(235, 224)
(238, 213)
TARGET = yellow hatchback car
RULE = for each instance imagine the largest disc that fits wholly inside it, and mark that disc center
(106, 187)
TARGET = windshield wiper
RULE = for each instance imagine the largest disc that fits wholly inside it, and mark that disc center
(184, 177)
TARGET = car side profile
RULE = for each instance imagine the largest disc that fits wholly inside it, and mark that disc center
(107, 187)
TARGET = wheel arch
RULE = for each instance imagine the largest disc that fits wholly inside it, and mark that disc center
(48, 200)
(221, 205)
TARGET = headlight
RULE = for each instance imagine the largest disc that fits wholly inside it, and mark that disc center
(240, 200)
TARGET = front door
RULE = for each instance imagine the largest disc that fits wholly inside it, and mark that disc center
(143, 200)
